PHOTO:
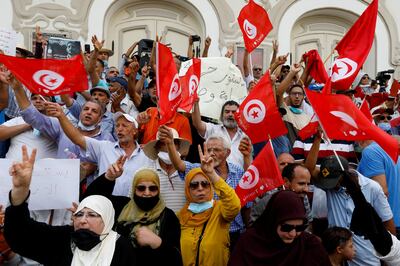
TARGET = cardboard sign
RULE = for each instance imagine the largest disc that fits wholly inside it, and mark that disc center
(54, 185)
(220, 81)
(8, 41)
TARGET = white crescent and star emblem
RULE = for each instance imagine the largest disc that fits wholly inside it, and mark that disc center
(254, 111)
(343, 68)
(48, 79)
(175, 89)
(249, 29)
(193, 84)
(250, 178)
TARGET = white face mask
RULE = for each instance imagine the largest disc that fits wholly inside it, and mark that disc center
(86, 128)
(163, 156)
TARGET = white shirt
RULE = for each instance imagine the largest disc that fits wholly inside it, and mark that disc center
(46, 148)
(236, 157)
(105, 153)
(129, 107)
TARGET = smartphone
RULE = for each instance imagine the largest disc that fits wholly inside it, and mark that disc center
(87, 48)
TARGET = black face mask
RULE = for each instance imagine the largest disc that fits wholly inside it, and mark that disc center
(85, 239)
(146, 203)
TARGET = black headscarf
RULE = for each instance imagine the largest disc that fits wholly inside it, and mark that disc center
(261, 245)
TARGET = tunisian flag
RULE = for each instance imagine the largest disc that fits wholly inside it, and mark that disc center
(316, 66)
(310, 129)
(255, 25)
(342, 120)
(189, 84)
(168, 86)
(48, 76)
(354, 48)
(262, 176)
(258, 116)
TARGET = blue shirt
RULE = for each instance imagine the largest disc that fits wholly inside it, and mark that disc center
(340, 211)
(375, 161)
(235, 172)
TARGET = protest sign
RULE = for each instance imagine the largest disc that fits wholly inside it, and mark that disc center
(55, 183)
(220, 81)
(60, 48)
(8, 41)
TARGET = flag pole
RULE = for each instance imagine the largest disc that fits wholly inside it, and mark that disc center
(251, 65)
(329, 56)
(329, 141)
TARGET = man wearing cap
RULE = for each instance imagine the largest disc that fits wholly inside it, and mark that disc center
(172, 185)
(106, 152)
(333, 180)
(120, 100)
(377, 165)
(104, 54)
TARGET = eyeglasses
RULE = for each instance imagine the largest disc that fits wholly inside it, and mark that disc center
(289, 227)
(195, 184)
(365, 77)
(257, 69)
(88, 215)
(142, 188)
(296, 94)
(216, 150)
(383, 117)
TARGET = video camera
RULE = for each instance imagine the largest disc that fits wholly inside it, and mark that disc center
(383, 76)
(144, 51)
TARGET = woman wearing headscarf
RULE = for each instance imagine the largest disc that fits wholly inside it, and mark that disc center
(90, 241)
(278, 237)
(204, 221)
(153, 228)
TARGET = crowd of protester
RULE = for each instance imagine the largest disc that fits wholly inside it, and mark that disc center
(153, 195)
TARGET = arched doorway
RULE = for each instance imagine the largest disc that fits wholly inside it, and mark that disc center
(130, 21)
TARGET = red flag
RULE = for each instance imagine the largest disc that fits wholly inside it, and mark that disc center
(342, 120)
(316, 66)
(255, 25)
(258, 116)
(168, 86)
(364, 108)
(354, 48)
(262, 176)
(310, 129)
(189, 84)
(395, 88)
(48, 76)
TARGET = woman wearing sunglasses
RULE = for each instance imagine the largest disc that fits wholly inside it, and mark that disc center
(278, 238)
(153, 228)
(89, 241)
(204, 221)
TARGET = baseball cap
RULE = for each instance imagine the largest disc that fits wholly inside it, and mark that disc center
(121, 81)
(101, 87)
(330, 172)
(127, 117)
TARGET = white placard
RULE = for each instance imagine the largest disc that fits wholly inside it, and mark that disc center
(8, 41)
(55, 183)
(220, 81)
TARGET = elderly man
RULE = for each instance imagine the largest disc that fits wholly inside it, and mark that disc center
(219, 149)
(229, 129)
(106, 152)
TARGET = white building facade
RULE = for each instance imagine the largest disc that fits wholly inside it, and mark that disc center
(299, 25)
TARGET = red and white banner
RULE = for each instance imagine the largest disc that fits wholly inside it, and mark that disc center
(262, 176)
(316, 66)
(258, 115)
(255, 25)
(342, 120)
(354, 48)
(190, 84)
(168, 86)
(48, 76)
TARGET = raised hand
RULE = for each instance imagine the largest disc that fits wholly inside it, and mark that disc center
(245, 146)
(275, 46)
(207, 162)
(53, 109)
(145, 70)
(282, 59)
(21, 172)
(165, 135)
(207, 42)
(97, 43)
(116, 169)
(143, 118)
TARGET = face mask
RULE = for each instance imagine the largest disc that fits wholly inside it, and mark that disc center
(86, 128)
(200, 207)
(295, 110)
(105, 62)
(146, 203)
(163, 156)
(85, 239)
(384, 126)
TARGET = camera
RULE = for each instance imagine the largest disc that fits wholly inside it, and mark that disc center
(195, 38)
(383, 76)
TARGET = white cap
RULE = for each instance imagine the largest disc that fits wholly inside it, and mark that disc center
(127, 117)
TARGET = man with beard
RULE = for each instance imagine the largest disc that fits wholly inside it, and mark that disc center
(229, 129)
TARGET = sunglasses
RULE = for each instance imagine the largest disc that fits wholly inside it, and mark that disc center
(257, 69)
(366, 77)
(142, 188)
(383, 117)
(289, 227)
(195, 184)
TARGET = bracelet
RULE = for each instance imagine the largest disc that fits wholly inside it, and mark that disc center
(9, 197)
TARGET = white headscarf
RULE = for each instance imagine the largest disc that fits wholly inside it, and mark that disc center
(103, 253)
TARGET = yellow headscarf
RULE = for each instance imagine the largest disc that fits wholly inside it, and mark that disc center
(186, 217)
(133, 214)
